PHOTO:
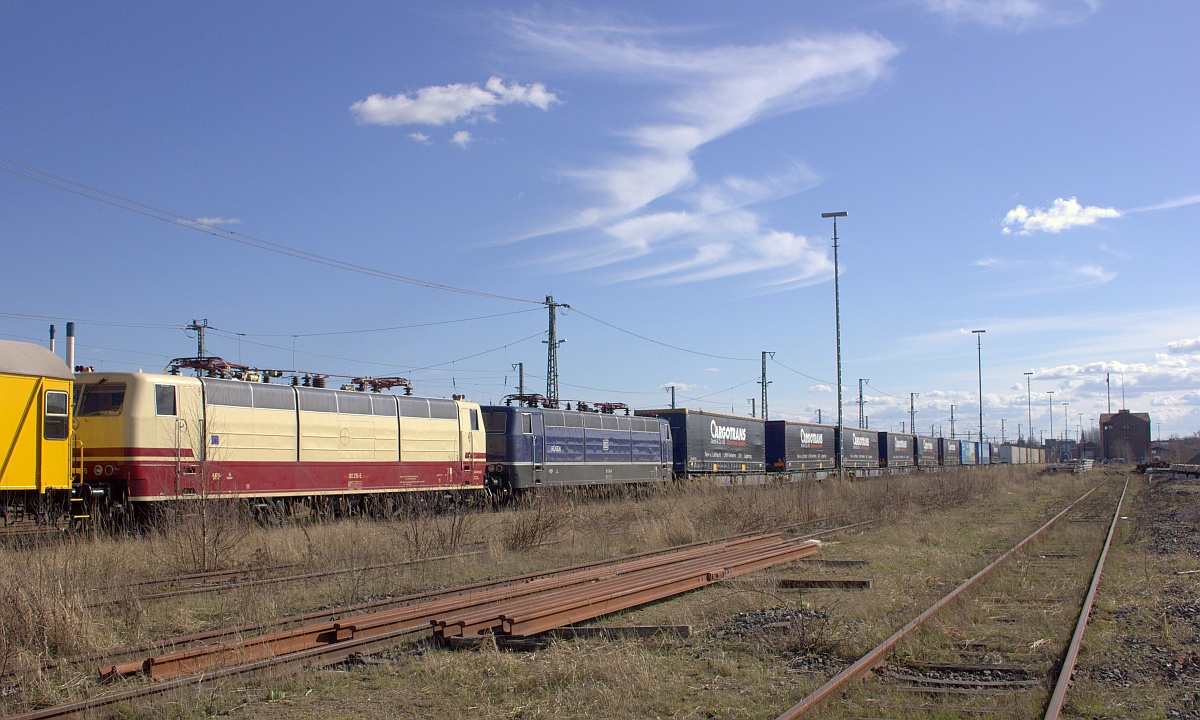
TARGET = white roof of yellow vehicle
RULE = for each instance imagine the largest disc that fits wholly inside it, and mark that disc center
(20, 358)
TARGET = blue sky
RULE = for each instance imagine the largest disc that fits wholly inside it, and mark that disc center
(1027, 167)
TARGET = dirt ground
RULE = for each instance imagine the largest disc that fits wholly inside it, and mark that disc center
(1147, 617)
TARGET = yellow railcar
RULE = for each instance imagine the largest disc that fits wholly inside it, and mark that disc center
(35, 428)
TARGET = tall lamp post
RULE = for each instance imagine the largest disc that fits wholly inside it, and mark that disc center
(979, 367)
(1029, 404)
(837, 319)
(1066, 422)
(1051, 394)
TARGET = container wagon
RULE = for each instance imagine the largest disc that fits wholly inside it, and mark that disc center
(967, 452)
(859, 449)
(896, 450)
(708, 443)
(949, 452)
(800, 447)
(925, 451)
(984, 453)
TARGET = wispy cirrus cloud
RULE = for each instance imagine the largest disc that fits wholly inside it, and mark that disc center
(1017, 15)
(1061, 215)
(1170, 204)
(218, 221)
(706, 229)
(1035, 277)
(441, 104)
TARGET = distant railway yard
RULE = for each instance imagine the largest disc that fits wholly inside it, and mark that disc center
(948, 594)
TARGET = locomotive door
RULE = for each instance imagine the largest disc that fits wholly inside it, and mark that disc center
(467, 430)
(539, 445)
(177, 416)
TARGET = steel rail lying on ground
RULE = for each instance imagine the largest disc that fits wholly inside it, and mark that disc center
(873, 657)
(1068, 667)
(219, 635)
(740, 555)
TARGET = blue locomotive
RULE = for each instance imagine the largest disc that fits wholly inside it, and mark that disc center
(530, 446)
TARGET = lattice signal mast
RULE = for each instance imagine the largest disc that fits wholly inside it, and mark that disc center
(552, 343)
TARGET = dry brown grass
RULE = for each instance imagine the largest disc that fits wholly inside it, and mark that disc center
(924, 518)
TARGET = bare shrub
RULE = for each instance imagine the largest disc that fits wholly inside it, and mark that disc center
(743, 510)
(545, 517)
(201, 534)
(668, 530)
(431, 532)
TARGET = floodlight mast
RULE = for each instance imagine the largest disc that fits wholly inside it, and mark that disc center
(979, 360)
(837, 319)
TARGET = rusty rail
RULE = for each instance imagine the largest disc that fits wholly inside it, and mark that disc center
(873, 657)
(1068, 667)
(518, 608)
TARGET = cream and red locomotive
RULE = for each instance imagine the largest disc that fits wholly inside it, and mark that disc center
(144, 438)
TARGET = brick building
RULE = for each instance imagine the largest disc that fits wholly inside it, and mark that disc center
(1126, 435)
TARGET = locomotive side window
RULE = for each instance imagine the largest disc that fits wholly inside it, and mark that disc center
(445, 409)
(474, 419)
(495, 422)
(99, 399)
(164, 400)
(527, 423)
(55, 425)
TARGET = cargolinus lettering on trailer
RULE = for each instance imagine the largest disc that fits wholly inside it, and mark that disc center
(727, 435)
(811, 439)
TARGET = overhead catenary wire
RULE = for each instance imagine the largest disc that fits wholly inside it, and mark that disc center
(868, 384)
(409, 369)
(718, 392)
(168, 216)
(810, 377)
(433, 323)
(109, 323)
(593, 318)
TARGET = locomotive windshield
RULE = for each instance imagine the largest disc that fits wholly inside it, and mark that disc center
(102, 398)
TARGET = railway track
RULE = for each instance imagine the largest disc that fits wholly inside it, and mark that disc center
(996, 654)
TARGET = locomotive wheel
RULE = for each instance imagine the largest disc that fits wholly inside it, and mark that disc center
(500, 492)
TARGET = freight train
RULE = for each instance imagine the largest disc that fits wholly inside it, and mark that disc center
(130, 441)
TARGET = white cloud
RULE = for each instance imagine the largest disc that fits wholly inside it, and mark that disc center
(420, 137)
(441, 104)
(679, 386)
(462, 138)
(1062, 215)
(1014, 14)
(705, 94)
(1190, 346)
(217, 221)
(1090, 275)
(820, 388)
(712, 369)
